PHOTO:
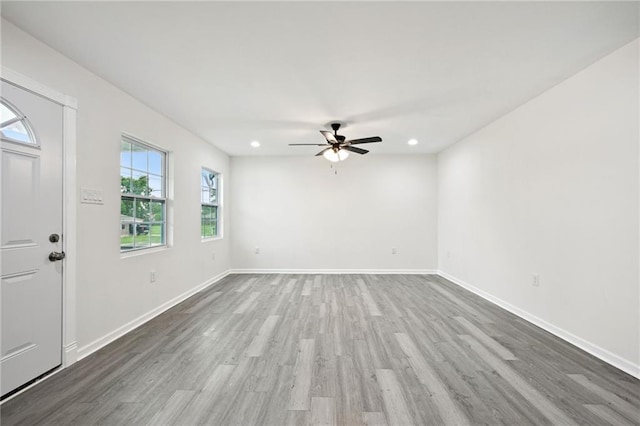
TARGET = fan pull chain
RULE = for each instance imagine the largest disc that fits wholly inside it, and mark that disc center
(335, 169)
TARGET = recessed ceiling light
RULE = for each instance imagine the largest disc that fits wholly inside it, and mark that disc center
(413, 142)
(255, 144)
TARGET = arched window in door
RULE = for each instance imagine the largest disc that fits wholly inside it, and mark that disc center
(14, 126)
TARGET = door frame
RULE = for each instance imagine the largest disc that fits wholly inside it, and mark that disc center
(69, 347)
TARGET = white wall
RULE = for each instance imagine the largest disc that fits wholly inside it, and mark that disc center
(552, 189)
(303, 216)
(112, 291)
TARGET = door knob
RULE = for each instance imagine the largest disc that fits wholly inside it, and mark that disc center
(54, 255)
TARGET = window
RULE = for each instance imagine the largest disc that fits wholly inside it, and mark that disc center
(210, 201)
(143, 200)
(14, 126)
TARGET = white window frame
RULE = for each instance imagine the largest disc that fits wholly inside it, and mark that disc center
(138, 197)
(217, 205)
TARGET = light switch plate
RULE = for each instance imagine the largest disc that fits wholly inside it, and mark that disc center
(91, 196)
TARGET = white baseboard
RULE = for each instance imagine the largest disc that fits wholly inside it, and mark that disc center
(137, 322)
(70, 354)
(595, 350)
(337, 271)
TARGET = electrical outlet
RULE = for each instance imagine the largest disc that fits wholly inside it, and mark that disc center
(152, 276)
(257, 250)
(213, 256)
(394, 250)
(535, 280)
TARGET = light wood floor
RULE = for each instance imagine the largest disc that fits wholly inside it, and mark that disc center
(334, 349)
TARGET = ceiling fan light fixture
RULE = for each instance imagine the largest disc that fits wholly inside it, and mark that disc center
(337, 147)
(336, 155)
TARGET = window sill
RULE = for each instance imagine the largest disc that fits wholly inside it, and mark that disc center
(209, 239)
(141, 252)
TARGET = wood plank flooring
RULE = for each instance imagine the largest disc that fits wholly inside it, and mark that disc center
(333, 349)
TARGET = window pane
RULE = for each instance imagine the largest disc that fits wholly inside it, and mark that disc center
(17, 132)
(139, 157)
(142, 210)
(126, 209)
(126, 224)
(125, 180)
(205, 178)
(5, 113)
(140, 184)
(155, 163)
(155, 186)
(142, 235)
(137, 174)
(209, 221)
(157, 211)
(125, 154)
(208, 229)
(126, 236)
(206, 212)
(156, 234)
(208, 196)
(209, 186)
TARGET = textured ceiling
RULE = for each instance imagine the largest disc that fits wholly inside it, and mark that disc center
(279, 72)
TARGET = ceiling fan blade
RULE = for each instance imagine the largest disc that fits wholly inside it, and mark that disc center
(364, 140)
(308, 144)
(322, 152)
(329, 136)
(354, 149)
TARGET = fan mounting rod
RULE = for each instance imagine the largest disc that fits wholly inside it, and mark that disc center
(336, 126)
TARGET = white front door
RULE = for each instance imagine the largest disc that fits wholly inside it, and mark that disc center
(31, 238)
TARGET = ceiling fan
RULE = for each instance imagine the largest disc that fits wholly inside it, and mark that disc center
(338, 147)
